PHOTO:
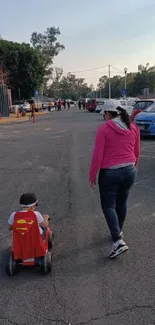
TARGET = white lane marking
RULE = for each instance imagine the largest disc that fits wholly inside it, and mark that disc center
(55, 137)
(48, 129)
(146, 147)
(16, 131)
(145, 156)
(62, 131)
(146, 187)
(7, 126)
(45, 169)
(143, 180)
(27, 164)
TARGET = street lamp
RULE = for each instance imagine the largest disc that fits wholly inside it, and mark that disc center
(125, 71)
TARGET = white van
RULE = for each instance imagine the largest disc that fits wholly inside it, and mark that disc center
(100, 102)
(127, 104)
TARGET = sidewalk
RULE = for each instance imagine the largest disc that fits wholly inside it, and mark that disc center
(13, 119)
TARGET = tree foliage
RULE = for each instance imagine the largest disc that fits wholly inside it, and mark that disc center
(68, 87)
(24, 66)
(29, 67)
(3, 76)
(48, 46)
(136, 82)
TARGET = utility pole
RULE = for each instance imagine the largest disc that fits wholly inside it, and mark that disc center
(125, 84)
(109, 83)
(19, 93)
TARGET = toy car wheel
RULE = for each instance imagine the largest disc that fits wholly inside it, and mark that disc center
(11, 266)
(50, 240)
(46, 264)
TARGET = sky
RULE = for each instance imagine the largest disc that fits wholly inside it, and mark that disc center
(96, 33)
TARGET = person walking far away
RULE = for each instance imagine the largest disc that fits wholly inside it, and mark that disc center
(49, 106)
(59, 105)
(84, 104)
(64, 103)
(55, 105)
(116, 156)
(33, 108)
(68, 104)
(79, 104)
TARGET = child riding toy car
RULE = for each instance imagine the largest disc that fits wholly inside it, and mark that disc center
(32, 237)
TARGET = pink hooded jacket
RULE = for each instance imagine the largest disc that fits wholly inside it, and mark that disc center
(114, 146)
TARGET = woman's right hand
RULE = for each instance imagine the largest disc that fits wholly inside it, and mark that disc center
(92, 185)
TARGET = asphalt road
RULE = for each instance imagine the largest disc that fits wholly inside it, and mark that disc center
(52, 159)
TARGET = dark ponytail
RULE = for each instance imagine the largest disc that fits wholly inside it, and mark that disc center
(124, 117)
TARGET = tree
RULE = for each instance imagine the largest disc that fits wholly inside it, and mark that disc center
(142, 68)
(3, 76)
(24, 66)
(54, 90)
(136, 82)
(116, 82)
(102, 82)
(48, 46)
(68, 87)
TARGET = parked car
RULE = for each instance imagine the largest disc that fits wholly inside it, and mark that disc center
(21, 105)
(44, 105)
(140, 106)
(128, 105)
(72, 102)
(146, 121)
(38, 104)
(100, 104)
(124, 103)
(92, 104)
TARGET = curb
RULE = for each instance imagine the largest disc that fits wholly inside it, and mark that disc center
(13, 120)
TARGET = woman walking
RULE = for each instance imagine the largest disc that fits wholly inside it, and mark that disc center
(116, 156)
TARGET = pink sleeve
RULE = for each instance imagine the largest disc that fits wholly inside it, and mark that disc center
(97, 155)
(137, 148)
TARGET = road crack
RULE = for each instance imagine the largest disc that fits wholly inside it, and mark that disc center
(37, 322)
(115, 313)
(58, 300)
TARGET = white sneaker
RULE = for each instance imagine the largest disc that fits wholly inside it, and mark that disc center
(118, 248)
(122, 235)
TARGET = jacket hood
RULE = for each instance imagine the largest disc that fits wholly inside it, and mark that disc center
(119, 129)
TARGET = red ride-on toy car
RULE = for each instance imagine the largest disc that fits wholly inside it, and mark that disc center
(30, 248)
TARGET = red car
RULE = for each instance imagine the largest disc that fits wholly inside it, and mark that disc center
(91, 105)
(140, 106)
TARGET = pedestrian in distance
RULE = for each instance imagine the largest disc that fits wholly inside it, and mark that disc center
(84, 105)
(33, 108)
(115, 157)
(59, 105)
(79, 104)
(55, 104)
(68, 104)
(64, 103)
(49, 106)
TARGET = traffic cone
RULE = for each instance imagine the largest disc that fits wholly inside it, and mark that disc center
(23, 114)
(18, 113)
(34, 118)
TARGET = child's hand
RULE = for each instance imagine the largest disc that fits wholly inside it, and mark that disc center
(46, 217)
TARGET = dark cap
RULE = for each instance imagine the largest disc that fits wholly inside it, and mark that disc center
(28, 199)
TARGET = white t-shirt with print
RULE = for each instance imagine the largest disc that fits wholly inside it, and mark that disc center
(39, 217)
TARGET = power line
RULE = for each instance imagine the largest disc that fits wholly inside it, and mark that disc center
(92, 69)
(79, 71)
(102, 67)
(117, 69)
